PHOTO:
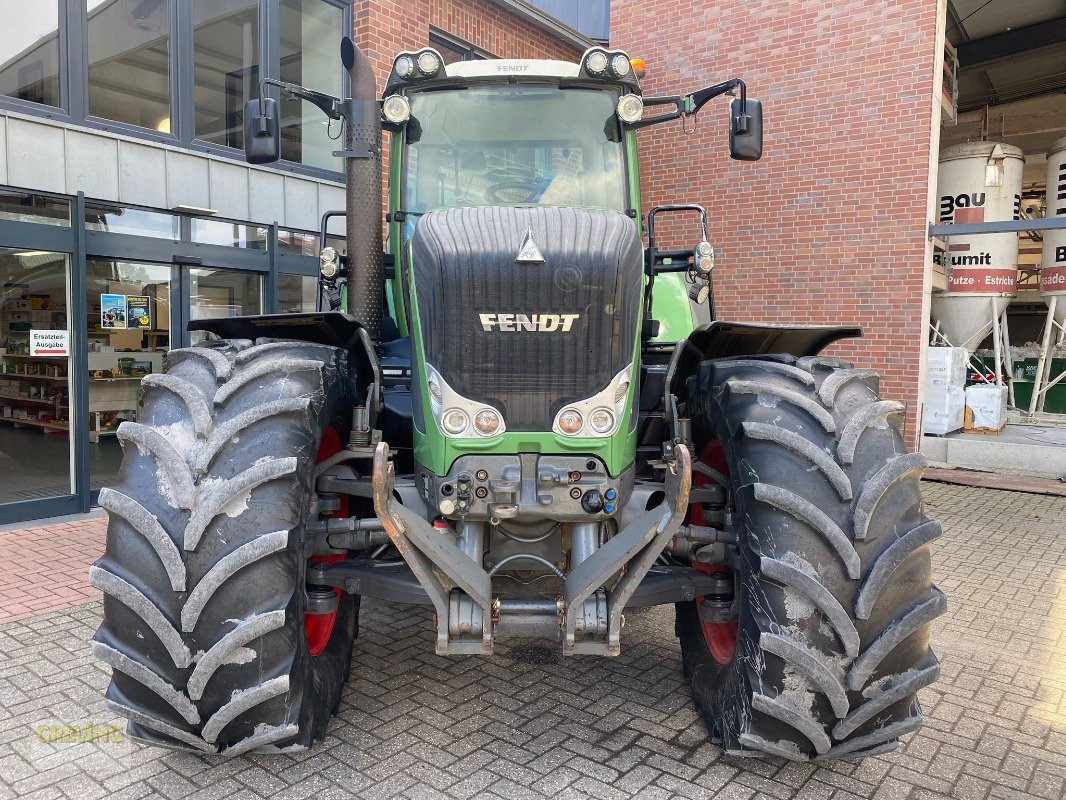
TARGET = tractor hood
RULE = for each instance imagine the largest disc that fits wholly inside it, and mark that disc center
(526, 310)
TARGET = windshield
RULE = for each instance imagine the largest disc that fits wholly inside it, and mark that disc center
(514, 145)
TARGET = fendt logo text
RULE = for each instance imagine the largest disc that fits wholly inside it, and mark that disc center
(535, 323)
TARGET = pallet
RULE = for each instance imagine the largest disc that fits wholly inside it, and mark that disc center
(995, 480)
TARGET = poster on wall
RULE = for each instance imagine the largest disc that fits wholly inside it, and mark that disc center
(113, 311)
(138, 312)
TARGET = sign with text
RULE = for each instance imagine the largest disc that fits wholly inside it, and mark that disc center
(49, 343)
(138, 312)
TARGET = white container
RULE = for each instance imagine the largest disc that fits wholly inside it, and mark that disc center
(944, 411)
(987, 405)
(977, 182)
(1053, 262)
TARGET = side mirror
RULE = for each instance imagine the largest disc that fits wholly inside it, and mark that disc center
(745, 134)
(262, 133)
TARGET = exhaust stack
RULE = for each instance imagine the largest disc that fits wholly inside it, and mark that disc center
(362, 172)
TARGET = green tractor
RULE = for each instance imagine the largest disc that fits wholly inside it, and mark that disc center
(526, 420)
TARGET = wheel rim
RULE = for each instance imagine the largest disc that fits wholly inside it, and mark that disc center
(720, 637)
(318, 628)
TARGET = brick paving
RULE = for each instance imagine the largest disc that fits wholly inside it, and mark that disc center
(46, 568)
(528, 723)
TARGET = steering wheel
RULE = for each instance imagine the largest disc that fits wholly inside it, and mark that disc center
(520, 191)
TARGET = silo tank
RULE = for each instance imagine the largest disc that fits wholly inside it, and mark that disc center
(977, 182)
(1053, 262)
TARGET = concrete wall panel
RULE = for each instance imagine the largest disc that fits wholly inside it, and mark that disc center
(51, 157)
(266, 196)
(92, 165)
(187, 181)
(35, 156)
(142, 175)
(301, 204)
(229, 189)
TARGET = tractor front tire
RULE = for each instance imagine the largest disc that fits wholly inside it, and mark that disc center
(204, 569)
(833, 582)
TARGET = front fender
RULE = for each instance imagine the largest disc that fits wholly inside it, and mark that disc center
(734, 339)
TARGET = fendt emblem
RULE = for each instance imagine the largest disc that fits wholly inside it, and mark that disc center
(529, 253)
(534, 323)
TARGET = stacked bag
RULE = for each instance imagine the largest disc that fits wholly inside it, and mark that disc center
(945, 389)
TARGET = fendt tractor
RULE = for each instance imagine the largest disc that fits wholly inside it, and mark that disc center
(522, 420)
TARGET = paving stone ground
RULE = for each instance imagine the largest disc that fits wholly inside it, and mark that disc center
(527, 723)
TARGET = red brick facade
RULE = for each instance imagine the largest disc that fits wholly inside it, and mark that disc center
(830, 226)
(385, 27)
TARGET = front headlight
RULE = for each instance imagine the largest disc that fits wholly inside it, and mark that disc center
(330, 262)
(458, 416)
(396, 109)
(596, 63)
(487, 421)
(404, 66)
(429, 63)
(454, 421)
(570, 422)
(601, 421)
(599, 415)
(630, 108)
(620, 65)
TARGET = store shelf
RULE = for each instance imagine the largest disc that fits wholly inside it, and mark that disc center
(51, 402)
(60, 379)
(56, 426)
(26, 357)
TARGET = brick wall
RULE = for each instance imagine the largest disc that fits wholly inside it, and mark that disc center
(385, 27)
(829, 227)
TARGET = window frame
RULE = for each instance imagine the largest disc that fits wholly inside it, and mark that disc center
(469, 51)
(74, 81)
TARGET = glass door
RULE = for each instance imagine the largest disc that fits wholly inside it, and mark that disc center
(35, 367)
(215, 293)
(129, 328)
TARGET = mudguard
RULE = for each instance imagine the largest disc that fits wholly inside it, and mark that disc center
(733, 339)
(331, 328)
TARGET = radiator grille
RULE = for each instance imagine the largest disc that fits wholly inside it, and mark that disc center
(464, 265)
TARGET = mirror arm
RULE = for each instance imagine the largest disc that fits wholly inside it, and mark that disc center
(327, 104)
(698, 99)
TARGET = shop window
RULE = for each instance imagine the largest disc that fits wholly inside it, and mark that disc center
(34, 375)
(296, 293)
(300, 243)
(131, 221)
(129, 62)
(35, 208)
(30, 51)
(310, 56)
(229, 234)
(129, 333)
(215, 293)
(226, 67)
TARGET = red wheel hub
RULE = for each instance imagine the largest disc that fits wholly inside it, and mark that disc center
(720, 637)
(319, 627)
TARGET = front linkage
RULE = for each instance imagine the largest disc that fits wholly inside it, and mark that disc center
(587, 616)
